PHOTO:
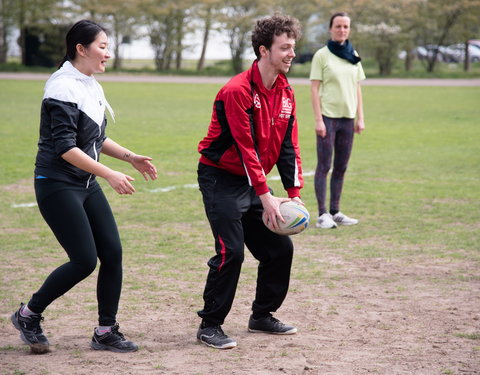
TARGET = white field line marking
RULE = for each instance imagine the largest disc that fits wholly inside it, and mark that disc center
(165, 189)
(22, 205)
(195, 186)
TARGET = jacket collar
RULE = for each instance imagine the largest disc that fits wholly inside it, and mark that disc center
(67, 70)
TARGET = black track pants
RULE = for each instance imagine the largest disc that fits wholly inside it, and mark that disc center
(235, 215)
(83, 223)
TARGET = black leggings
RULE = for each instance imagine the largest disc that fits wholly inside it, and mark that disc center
(339, 139)
(83, 223)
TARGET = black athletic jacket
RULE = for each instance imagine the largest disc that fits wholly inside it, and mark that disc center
(72, 115)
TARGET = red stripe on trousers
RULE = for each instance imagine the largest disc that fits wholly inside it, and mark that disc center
(223, 253)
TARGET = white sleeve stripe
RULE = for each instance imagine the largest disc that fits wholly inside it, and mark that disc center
(297, 180)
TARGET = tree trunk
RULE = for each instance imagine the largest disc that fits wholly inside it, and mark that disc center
(237, 63)
(21, 26)
(208, 25)
(383, 57)
(431, 61)
(3, 34)
(448, 25)
(179, 39)
(237, 48)
(408, 61)
(169, 40)
(466, 61)
(117, 61)
(158, 59)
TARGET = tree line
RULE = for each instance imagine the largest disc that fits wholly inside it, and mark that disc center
(380, 29)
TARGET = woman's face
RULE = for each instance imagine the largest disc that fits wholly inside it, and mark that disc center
(340, 29)
(96, 55)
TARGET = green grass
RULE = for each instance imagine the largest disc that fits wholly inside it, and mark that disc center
(470, 336)
(413, 182)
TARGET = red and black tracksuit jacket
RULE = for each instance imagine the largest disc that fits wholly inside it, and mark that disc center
(252, 129)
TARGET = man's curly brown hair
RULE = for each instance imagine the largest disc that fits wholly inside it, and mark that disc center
(268, 27)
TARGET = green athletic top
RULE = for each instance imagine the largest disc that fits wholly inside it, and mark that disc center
(338, 94)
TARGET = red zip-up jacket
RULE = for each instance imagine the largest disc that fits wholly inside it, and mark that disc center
(251, 144)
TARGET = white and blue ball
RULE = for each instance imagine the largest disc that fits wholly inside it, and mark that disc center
(296, 218)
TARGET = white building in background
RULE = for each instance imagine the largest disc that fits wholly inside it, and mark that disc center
(141, 49)
(217, 48)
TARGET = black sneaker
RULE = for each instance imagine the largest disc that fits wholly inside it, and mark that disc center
(270, 325)
(113, 341)
(215, 337)
(30, 331)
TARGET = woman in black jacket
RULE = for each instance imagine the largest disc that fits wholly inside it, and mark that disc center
(72, 136)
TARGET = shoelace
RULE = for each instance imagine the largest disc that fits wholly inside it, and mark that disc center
(220, 331)
(32, 323)
(275, 321)
(116, 332)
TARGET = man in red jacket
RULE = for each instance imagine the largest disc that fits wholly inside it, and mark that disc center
(253, 128)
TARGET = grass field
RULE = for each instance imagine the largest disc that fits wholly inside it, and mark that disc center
(413, 182)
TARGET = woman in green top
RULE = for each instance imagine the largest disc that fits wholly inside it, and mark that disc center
(337, 100)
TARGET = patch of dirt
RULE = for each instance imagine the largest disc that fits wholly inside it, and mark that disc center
(22, 186)
(361, 316)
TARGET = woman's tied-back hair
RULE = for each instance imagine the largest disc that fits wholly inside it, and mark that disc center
(83, 32)
(268, 27)
(338, 14)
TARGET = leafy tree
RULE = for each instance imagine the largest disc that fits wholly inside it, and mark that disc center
(238, 17)
(7, 21)
(467, 28)
(443, 16)
(375, 28)
(207, 11)
(303, 11)
(38, 13)
(120, 17)
(167, 22)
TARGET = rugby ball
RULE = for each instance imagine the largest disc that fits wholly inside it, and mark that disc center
(296, 218)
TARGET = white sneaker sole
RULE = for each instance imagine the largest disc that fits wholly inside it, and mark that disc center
(346, 224)
(289, 332)
(229, 345)
(321, 226)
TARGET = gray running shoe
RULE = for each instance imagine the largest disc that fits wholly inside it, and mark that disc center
(113, 341)
(30, 331)
(270, 325)
(215, 337)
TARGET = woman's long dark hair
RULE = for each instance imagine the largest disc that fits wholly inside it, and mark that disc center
(83, 32)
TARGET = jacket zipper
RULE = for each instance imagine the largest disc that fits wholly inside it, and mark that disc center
(96, 156)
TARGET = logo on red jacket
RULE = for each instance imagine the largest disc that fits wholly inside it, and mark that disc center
(256, 101)
(286, 108)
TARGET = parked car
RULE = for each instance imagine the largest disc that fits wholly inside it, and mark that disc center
(427, 52)
(456, 52)
(474, 42)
